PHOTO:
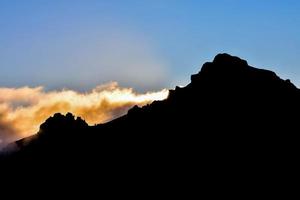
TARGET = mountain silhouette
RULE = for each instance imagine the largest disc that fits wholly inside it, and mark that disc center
(232, 120)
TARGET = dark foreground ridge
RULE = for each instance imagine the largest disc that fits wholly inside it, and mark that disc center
(231, 118)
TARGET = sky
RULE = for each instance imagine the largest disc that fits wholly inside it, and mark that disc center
(98, 58)
(145, 44)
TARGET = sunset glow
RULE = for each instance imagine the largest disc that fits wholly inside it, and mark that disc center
(24, 109)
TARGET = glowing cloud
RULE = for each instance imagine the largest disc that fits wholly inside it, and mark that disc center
(22, 110)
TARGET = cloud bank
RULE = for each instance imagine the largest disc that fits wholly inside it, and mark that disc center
(22, 110)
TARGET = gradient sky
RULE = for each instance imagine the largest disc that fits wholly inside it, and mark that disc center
(145, 44)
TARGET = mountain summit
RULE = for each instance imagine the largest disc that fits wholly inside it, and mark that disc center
(231, 114)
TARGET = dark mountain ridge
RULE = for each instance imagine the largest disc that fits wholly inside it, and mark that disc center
(231, 118)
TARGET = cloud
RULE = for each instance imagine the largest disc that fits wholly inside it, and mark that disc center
(22, 110)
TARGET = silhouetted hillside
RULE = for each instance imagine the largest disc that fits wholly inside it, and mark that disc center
(232, 120)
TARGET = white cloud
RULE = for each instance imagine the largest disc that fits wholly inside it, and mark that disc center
(22, 110)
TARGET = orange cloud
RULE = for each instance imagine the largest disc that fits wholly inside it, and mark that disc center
(22, 110)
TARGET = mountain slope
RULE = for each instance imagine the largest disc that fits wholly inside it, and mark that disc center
(231, 117)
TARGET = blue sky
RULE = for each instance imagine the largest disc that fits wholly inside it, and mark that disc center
(146, 44)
